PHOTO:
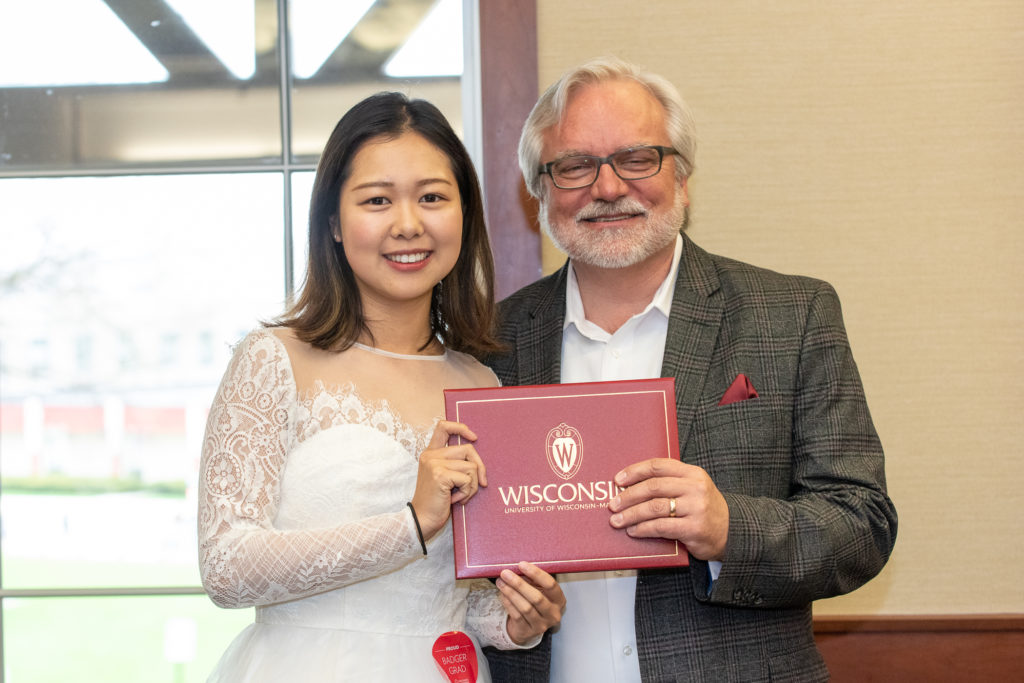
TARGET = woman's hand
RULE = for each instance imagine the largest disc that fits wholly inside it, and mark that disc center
(533, 600)
(447, 475)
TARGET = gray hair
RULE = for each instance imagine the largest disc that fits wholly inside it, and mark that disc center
(551, 106)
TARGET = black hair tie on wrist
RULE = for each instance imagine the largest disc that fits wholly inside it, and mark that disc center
(419, 531)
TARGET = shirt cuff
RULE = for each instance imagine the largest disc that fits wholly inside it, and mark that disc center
(714, 569)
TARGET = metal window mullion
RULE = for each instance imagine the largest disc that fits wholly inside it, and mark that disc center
(285, 72)
(153, 170)
(140, 591)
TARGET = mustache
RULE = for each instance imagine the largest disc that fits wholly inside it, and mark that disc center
(599, 208)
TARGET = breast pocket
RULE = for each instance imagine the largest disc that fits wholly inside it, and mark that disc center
(746, 447)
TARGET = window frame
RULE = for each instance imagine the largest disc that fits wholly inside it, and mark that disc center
(496, 100)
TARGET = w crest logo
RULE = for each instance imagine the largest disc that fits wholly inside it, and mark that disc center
(564, 449)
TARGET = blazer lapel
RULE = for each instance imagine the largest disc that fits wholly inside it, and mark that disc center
(539, 344)
(692, 330)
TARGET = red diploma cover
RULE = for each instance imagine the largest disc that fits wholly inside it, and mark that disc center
(551, 452)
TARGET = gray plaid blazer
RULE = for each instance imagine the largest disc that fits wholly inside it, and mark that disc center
(801, 468)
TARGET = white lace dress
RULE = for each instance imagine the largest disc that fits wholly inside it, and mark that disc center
(302, 514)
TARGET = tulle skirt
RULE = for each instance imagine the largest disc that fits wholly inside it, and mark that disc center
(296, 654)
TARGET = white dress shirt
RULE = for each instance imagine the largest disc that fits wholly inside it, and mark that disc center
(597, 639)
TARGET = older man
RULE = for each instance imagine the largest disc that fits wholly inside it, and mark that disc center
(780, 492)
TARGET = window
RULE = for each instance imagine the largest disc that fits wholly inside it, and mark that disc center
(156, 158)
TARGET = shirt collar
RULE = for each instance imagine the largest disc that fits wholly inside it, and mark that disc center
(662, 300)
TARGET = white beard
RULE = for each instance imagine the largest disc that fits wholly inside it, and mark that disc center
(615, 247)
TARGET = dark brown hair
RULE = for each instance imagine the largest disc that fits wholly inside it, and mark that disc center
(329, 313)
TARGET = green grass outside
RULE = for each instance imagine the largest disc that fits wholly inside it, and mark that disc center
(86, 486)
(109, 639)
(45, 573)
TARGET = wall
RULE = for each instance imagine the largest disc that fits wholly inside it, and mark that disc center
(879, 146)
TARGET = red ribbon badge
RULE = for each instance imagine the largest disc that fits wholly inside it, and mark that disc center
(456, 657)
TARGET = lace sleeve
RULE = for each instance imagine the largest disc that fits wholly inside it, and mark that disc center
(243, 560)
(486, 618)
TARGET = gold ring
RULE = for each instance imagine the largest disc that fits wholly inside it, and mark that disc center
(671, 507)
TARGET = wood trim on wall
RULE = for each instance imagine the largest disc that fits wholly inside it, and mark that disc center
(508, 79)
(918, 623)
(970, 647)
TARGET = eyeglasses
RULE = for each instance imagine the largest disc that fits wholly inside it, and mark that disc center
(635, 163)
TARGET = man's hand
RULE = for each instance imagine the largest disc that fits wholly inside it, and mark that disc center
(666, 498)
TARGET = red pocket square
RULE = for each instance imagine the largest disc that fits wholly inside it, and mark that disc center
(740, 390)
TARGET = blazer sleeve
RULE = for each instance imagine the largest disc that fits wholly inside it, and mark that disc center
(835, 527)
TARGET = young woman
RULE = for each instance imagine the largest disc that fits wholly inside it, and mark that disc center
(326, 480)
